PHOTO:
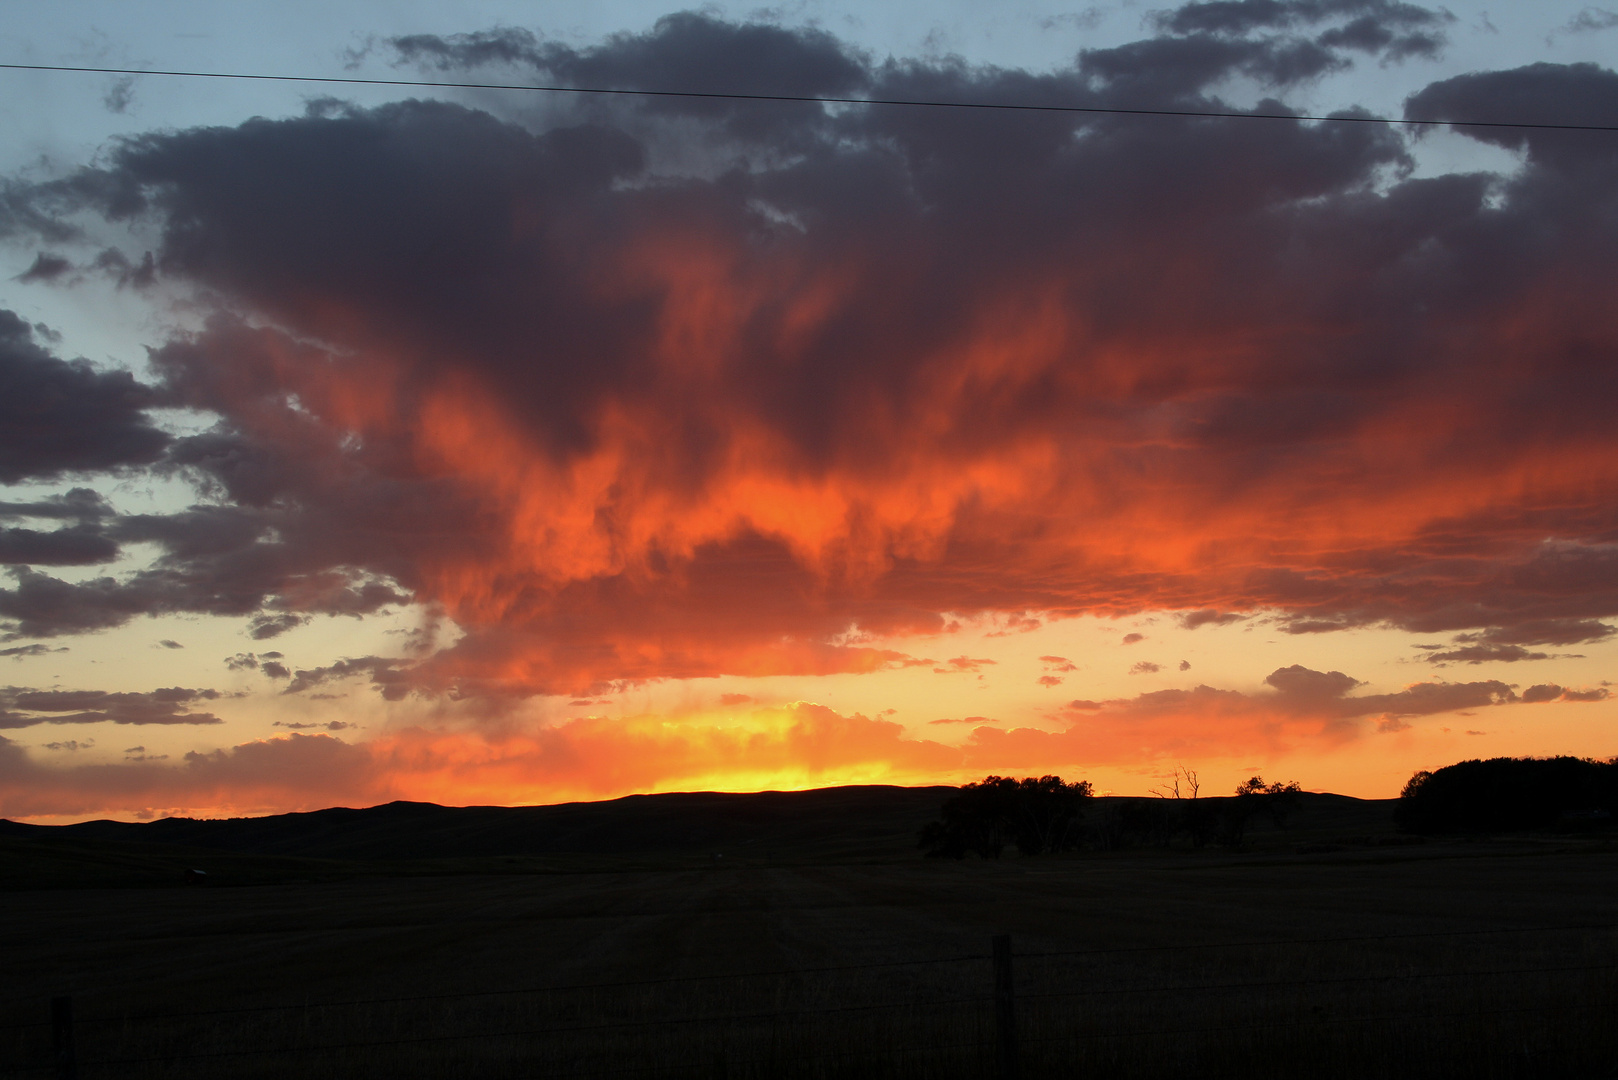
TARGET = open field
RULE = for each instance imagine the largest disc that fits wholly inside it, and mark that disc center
(1324, 950)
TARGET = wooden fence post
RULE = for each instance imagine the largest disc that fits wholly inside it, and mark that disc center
(1005, 1015)
(62, 1038)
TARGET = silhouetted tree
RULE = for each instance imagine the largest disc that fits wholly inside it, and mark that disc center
(1038, 815)
(1197, 818)
(1136, 822)
(1277, 801)
(975, 819)
(1048, 813)
(1501, 794)
(1413, 785)
(1182, 784)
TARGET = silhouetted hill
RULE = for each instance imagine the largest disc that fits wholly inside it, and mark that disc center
(825, 823)
(752, 823)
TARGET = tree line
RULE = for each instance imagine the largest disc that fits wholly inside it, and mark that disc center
(1043, 815)
(1506, 794)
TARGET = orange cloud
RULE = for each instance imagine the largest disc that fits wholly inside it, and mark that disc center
(794, 746)
(798, 745)
(618, 423)
(1302, 709)
(291, 772)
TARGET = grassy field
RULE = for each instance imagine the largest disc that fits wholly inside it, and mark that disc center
(1332, 949)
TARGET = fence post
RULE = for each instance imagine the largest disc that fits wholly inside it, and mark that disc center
(1005, 1016)
(62, 1038)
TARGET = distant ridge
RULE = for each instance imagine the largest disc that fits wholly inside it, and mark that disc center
(872, 816)
(678, 831)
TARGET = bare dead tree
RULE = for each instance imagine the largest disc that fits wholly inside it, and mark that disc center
(1181, 785)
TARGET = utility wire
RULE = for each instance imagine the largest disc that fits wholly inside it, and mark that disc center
(885, 964)
(1277, 984)
(1260, 943)
(632, 984)
(724, 96)
(569, 1029)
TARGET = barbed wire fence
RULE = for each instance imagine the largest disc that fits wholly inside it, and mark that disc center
(1520, 1001)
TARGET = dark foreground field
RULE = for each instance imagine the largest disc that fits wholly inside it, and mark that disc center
(817, 945)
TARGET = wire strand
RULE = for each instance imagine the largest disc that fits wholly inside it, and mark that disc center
(1277, 984)
(1414, 1018)
(1313, 941)
(1099, 110)
(573, 1029)
(148, 1017)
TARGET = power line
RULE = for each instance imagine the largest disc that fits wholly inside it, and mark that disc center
(551, 989)
(726, 96)
(1262, 943)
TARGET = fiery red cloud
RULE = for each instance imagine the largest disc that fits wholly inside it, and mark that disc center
(786, 448)
(681, 388)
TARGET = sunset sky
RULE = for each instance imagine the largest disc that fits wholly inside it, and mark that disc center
(483, 446)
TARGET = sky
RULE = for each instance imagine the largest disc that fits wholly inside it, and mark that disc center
(480, 446)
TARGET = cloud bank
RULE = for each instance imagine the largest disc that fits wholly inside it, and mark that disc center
(660, 388)
(673, 387)
(801, 744)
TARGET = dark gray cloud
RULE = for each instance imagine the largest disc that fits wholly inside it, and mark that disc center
(1166, 70)
(1308, 692)
(1543, 632)
(1540, 93)
(686, 51)
(264, 627)
(1425, 699)
(1241, 17)
(388, 676)
(269, 663)
(22, 707)
(1543, 692)
(212, 559)
(79, 504)
(1209, 617)
(84, 543)
(42, 606)
(1591, 19)
(46, 267)
(1508, 644)
(59, 416)
(1302, 683)
(1486, 653)
(18, 652)
(1389, 30)
(77, 545)
(1319, 700)
(120, 94)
